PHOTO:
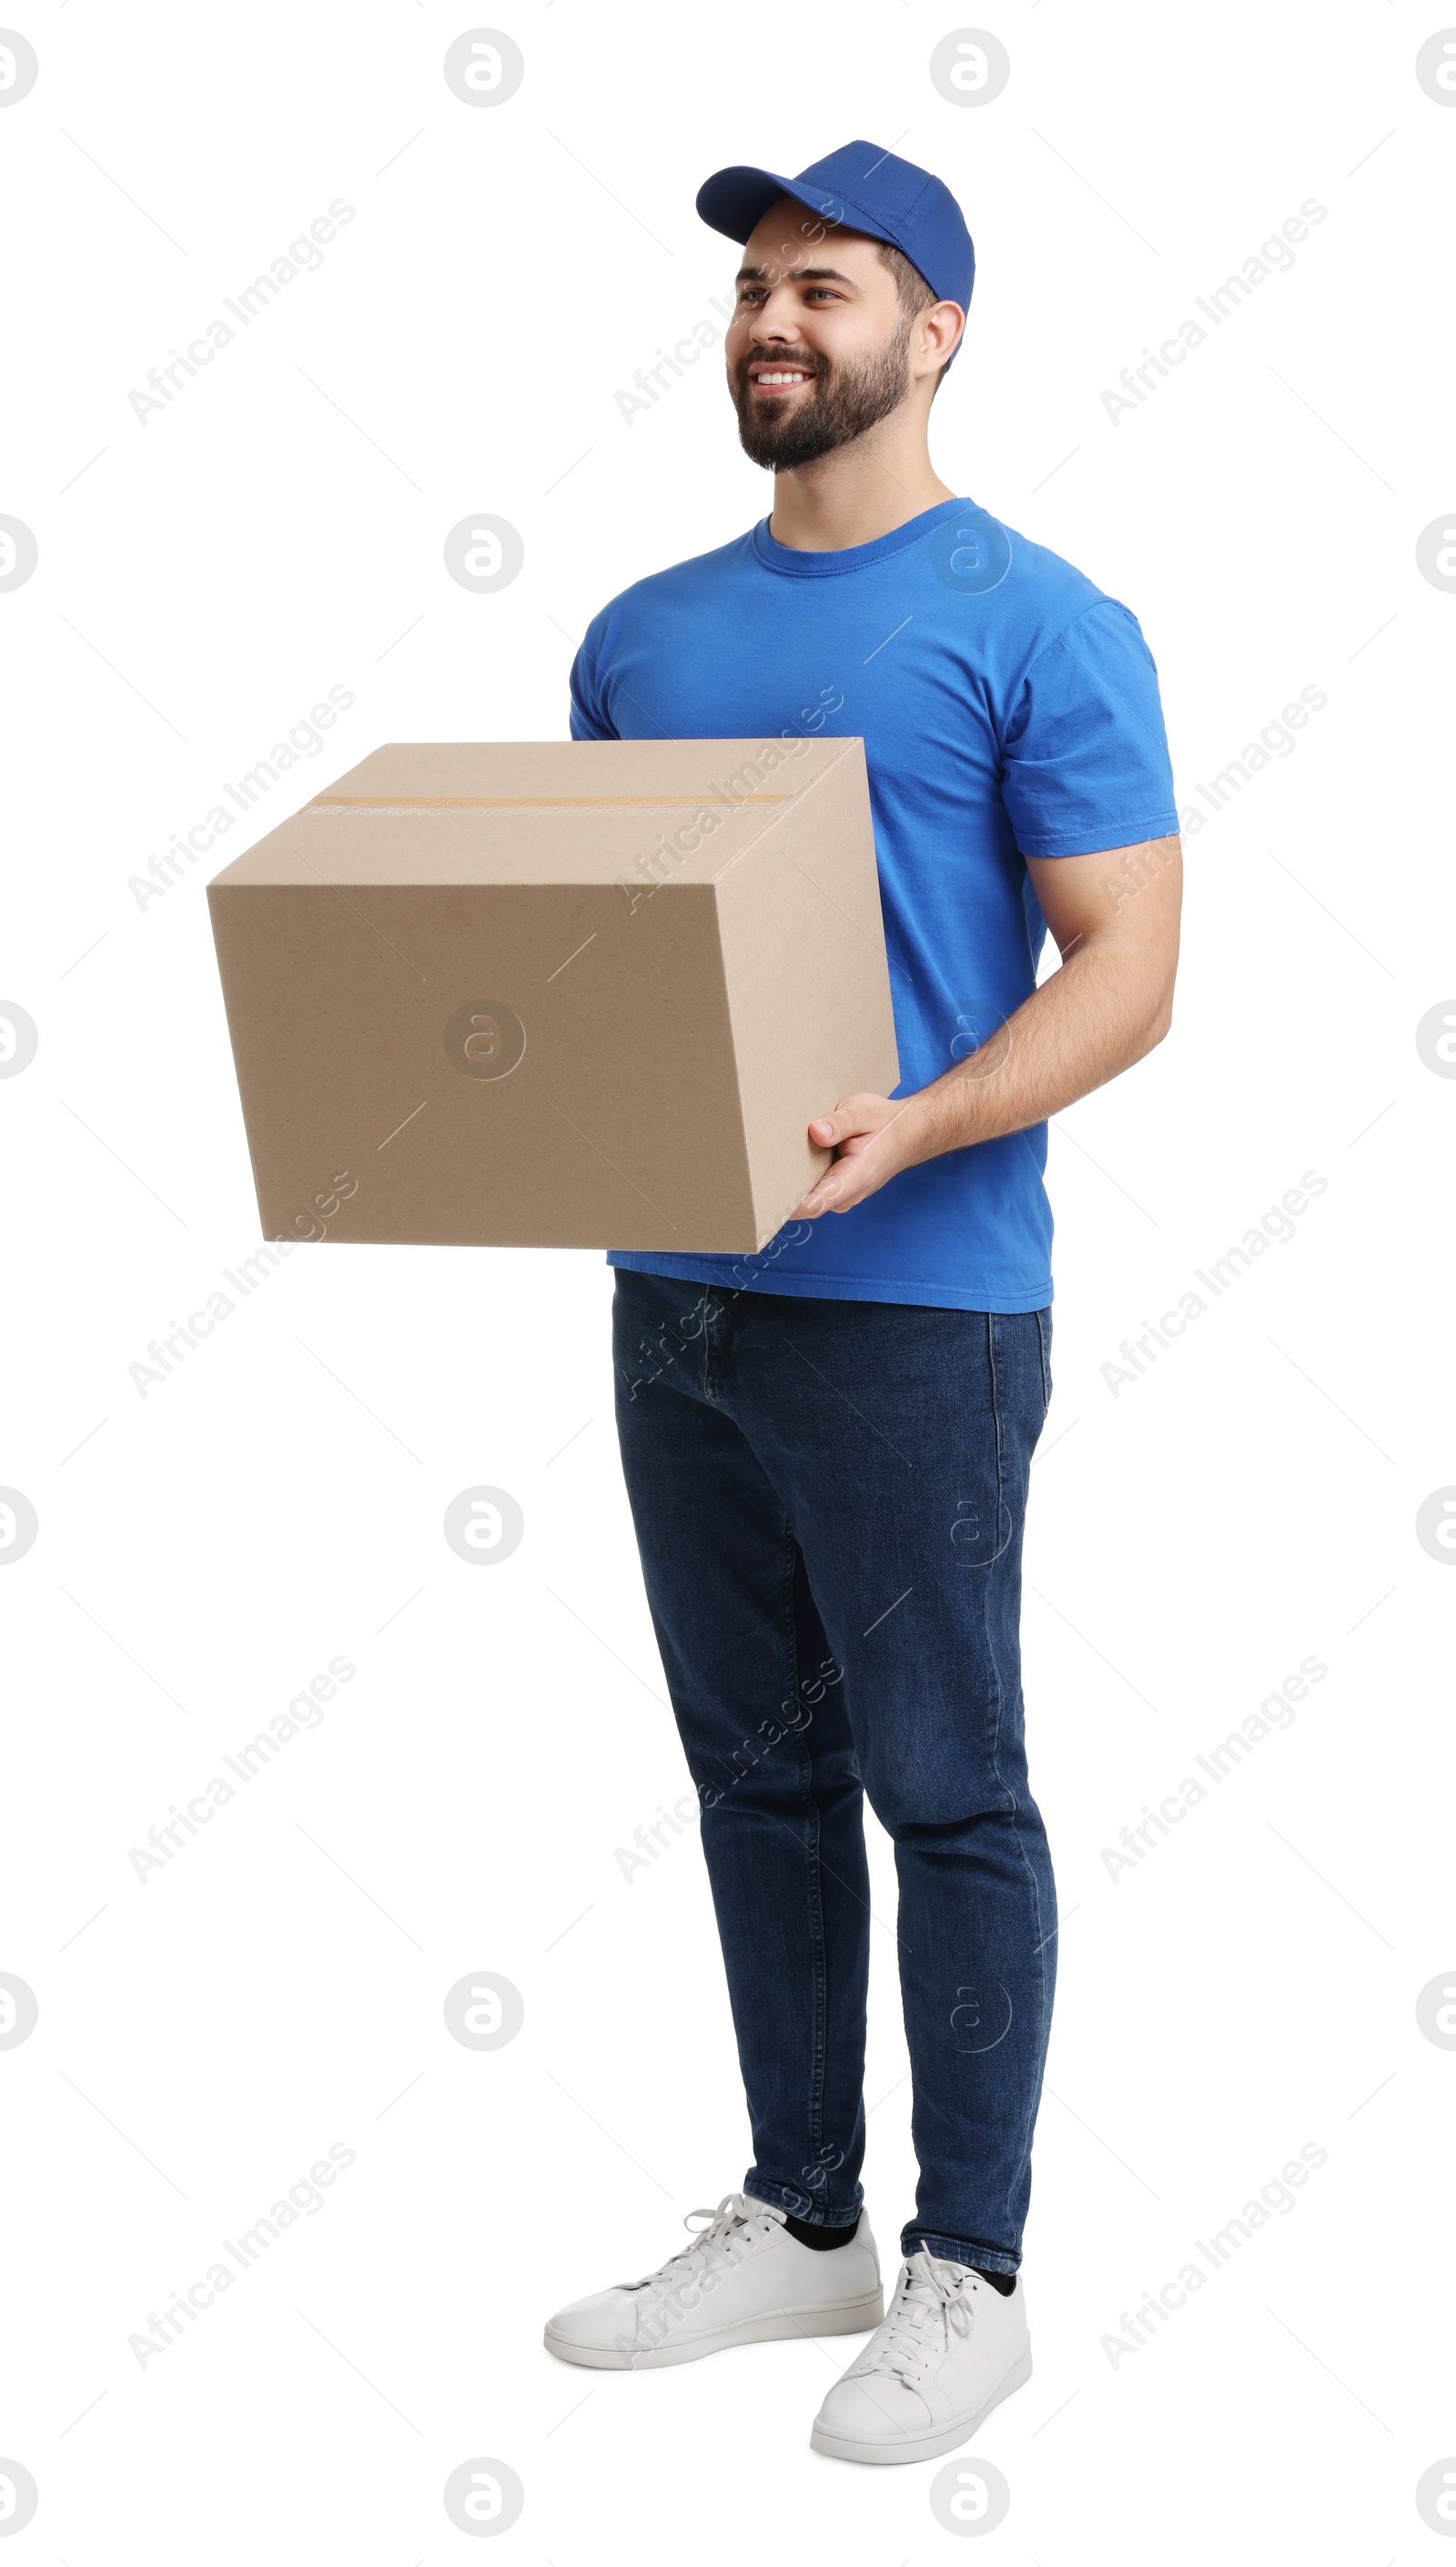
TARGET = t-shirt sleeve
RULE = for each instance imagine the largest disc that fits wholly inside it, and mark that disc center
(588, 716)
(1085, 762)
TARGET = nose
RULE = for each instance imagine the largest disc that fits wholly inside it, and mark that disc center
(775, 320)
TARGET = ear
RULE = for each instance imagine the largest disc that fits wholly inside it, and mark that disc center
(938, 330)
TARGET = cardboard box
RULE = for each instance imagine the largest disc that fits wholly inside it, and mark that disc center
(559, 994)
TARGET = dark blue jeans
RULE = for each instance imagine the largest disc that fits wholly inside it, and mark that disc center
(828, 1498)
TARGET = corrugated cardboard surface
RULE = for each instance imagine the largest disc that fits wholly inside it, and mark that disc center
(675, 952)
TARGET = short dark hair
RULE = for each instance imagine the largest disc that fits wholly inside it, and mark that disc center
(914, 292)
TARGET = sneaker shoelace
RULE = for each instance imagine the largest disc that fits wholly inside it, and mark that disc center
(930, 2305)
(716, 2242)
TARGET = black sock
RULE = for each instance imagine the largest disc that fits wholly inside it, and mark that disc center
(1005, 2283)
(820, 2238)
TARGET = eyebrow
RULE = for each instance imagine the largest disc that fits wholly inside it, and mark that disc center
(801, 275)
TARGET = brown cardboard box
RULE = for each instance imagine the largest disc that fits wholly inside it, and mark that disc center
(561, 994)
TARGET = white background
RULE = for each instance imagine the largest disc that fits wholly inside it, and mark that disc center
(203, 579)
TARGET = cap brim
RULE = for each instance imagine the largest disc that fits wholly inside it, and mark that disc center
(732, 200)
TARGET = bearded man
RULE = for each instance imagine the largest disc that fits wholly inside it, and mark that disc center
(826, 1447)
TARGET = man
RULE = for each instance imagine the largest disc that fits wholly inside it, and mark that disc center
(826, 1447)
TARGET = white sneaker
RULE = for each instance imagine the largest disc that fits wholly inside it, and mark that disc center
(949, 2351)
(744, 2280)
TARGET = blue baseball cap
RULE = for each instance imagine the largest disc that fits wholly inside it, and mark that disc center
(866, 191)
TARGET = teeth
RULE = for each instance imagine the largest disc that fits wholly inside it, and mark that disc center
(779, 378)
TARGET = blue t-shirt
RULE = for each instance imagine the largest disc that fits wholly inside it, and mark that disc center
(1007, 707)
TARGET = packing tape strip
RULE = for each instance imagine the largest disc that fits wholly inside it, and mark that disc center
(534, 801)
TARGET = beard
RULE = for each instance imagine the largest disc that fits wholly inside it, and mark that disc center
(844, 400)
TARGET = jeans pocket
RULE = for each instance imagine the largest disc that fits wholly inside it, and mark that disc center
(1043, 1340)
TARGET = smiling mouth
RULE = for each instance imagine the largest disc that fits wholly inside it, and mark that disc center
(778, 379)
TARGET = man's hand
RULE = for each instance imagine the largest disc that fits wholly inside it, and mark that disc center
(873, 1138)
(1114, 917)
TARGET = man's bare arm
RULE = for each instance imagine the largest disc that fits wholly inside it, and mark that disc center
(1114, 919)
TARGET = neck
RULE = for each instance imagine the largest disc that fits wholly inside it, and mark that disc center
(859, 492)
